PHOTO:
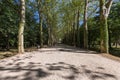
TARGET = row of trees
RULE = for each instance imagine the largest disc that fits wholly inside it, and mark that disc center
(75, 22)
(101, 8)
(27, 23)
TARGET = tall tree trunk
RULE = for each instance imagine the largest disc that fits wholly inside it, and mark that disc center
(21, 27)
(104, 37)
(85, 25)
(109, 32)
(78, 36)
(40, 22)
(49, 34)
(49, 41)
(8, 38)
(41, 32)
(41, 28)
(74, 28)
(74, 32)
(8, 45)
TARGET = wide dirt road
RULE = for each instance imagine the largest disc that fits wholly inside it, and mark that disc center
(59, 63)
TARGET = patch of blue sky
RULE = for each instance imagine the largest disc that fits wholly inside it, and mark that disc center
(36, 16)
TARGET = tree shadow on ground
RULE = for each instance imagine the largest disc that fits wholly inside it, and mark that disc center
(78, 72)
(30, 71)
(37, 71)
(65, 48)
(78, 51)
(18, 69)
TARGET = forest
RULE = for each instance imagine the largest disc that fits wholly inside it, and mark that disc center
(88, 24)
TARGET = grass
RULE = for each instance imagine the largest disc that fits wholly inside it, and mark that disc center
(6, 54)
(115, 52)
(12, 52)
(109, 56)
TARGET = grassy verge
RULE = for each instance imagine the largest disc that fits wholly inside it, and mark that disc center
(109, 56)
(115, 52)
(12, 52)
(6, 54)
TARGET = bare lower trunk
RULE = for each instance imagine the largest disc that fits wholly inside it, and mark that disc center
(104, 36)
(49, 35)
(21, 28)
(74, 28)
(74, 34)
(41, 32)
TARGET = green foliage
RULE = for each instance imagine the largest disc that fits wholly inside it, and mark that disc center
(59, 23)
(114, 22)
(8, 22)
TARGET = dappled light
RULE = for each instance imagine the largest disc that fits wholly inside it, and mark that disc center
(65, 64)
(61, 70)
(59, 39)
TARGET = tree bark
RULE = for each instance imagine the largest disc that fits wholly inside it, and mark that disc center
(109, 32)
(104, 37)
(85, 26)
(40, 22)
(78, 36)
(49, 34)
(21, 28)
(74, 28)
(41, 32)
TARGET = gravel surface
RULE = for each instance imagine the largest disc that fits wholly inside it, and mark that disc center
(59, 63)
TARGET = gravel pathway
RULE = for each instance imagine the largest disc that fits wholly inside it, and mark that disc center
(59, 63)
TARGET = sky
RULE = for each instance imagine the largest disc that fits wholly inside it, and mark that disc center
(81, 22)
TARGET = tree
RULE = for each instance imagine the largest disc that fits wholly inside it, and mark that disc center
(85, 25)
(113, 23)
(104, 37)
(21, 27)
(51, 20)
(40, 11)
(8, 22)
(71, 12)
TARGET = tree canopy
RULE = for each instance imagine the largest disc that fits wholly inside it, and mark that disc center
(47, 22)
